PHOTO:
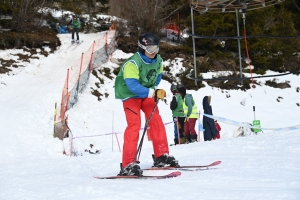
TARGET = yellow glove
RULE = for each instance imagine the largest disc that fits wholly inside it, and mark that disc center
(159, 94)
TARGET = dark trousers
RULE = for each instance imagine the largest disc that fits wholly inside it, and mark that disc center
(75, 30)
(180, 126)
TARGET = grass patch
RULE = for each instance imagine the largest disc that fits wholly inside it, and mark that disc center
(273, 83)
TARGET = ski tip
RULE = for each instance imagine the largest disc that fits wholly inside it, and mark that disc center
(216, 163)
(116, 177)
(175, 174)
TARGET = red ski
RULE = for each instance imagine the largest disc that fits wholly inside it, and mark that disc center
(188, 167)
(170, 175)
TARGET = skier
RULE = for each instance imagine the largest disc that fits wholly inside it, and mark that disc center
(177, 113)
(76, 22)
(136, 86)
(191, 113)
(210, 130)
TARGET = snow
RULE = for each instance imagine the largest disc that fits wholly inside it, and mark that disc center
(262, 166)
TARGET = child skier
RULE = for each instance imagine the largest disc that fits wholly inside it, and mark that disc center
(76, 22)
(136, 85)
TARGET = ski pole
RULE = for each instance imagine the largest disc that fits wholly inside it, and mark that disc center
(137, 156)
(254, 111)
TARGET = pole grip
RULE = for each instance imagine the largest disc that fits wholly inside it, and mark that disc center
(253, 108)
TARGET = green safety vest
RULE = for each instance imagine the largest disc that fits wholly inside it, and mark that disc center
(194, 113)
(177, 112)
(148, 74)
(76, 23)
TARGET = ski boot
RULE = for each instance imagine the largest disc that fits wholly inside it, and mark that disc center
(176, 141)
(194, 138)
(132, 169)
(188, 139)
(165, 160)
(73, 41)
(77, 41)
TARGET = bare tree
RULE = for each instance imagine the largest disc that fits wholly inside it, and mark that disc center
(145, 15)
(24, 12)
(141, 15)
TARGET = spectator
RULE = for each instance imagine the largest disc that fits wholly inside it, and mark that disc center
(210, 130)
(176, 106)
(191, 113)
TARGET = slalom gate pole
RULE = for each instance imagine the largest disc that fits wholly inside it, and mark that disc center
(256, 123)
(54, 119)
(199, 126)
(137, 156)
(69, 132)
(112, 135)
(178, 134)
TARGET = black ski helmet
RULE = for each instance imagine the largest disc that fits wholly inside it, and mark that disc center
(181, 89)
(145, 40)
(173, 88)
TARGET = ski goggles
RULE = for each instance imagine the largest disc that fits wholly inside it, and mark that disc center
(151, 49)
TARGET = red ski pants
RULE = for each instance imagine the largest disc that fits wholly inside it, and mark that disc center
(189, 126)
(157, 131)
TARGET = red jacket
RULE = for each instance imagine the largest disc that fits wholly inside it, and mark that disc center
(219, 129)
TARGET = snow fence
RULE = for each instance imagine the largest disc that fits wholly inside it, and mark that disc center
(78, 76)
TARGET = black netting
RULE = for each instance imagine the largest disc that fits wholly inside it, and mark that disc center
(73, 96)
(100, 57)
(83, 80)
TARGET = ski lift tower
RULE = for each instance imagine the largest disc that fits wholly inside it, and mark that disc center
(222, 6)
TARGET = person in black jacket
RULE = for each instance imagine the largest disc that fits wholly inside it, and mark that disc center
(76, 23)
(176, 106)
(210, 130)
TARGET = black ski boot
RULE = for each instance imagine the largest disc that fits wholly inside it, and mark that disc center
(176, 141)
(194, 138)
(132, 169)
(165, 160)
(188, 139)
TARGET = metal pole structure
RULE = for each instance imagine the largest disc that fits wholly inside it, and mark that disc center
(239, 42)
(194, 48)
